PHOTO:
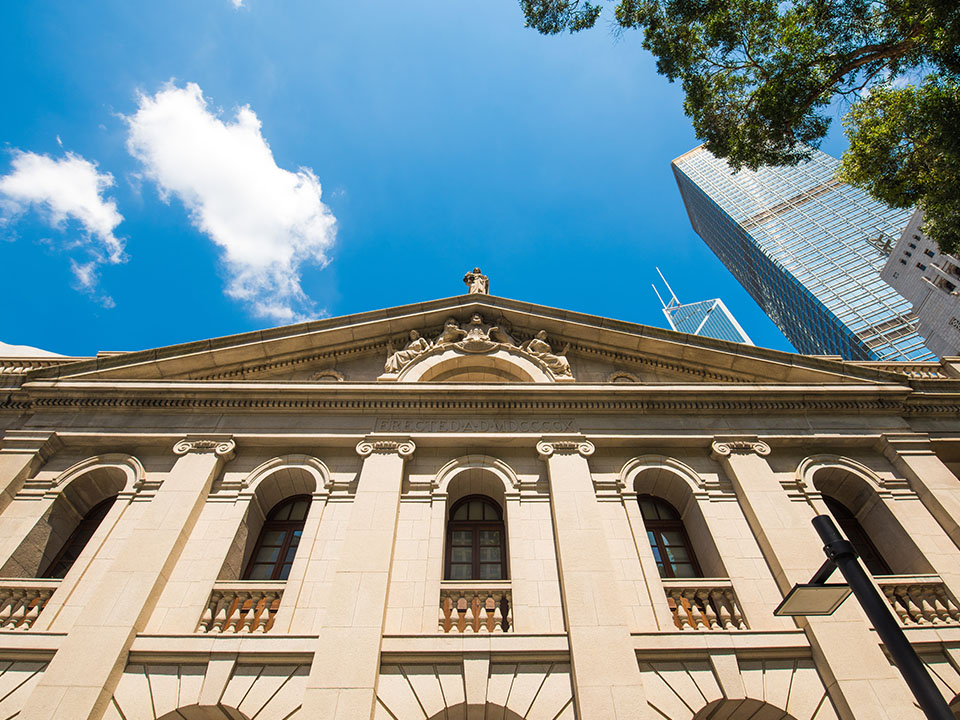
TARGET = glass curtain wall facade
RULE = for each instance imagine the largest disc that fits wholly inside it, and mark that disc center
(709, 318)
(808, 249)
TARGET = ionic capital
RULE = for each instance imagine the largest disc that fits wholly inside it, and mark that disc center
(565, 446)
(222, 446)
(404, 447)
(724, 447)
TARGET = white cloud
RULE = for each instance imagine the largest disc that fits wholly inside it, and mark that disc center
(268, 221)
(237, 4)
(65, 189)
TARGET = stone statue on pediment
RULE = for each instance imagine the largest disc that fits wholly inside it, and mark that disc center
(476, 282)
(500, 332)
(397, 359)
(451, 333)
(540, 349)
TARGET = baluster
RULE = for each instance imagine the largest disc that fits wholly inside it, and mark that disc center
(461, 613)
(916, 616)
(446, 608)
(674, 602)
(475, 613)
(221, 618)
(928, 607)
(891, 592)
(19, 609)
(709, 614)
(32, 607)
(693, 611)
(206, 619)
(949, 611)
(6, 608)
(505, 620)
(263, 618)
(489, 613)
(724, 610)
(246, 612)
(736, 617)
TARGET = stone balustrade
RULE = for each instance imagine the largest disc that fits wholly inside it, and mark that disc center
(241, 607)
(22, 601)
(919, 600)
(703, 604)
(475, 608)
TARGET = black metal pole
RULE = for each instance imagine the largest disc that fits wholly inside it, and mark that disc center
(878, 610)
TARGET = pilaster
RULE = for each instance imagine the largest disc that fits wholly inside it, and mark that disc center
(854, 669)
(353, 625)
(22, 454)
(606, 676)
(83, 674)
(937, 487)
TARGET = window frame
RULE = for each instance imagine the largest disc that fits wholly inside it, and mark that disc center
(475, 527)
(847, 520)
(289, 527)
(656, 527)
(106, 504)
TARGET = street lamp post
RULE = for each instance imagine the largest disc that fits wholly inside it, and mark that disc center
(841, 554)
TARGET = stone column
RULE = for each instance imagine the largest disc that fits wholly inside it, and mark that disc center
(81, 678)
(856, 673)
(343, 677)
(938, 488)
(22, 454)
(606, 676)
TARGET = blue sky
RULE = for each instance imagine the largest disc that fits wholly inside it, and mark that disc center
(398, 146)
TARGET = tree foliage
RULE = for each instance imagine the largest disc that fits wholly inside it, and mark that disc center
(904, 151)
(759, 77)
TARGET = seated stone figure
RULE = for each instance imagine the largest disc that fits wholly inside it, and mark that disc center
(397, 359)
(540, 349)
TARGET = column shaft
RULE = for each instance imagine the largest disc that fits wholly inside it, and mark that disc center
(938, 488)
(860, 680)
(606, 676)
(343, 677)
(81, 678)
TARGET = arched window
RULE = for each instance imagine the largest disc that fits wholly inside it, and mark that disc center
(668, 539)
(276, 547)
(78, 539)
(858, 537)
(476, 541)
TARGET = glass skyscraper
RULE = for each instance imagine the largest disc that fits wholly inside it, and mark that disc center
(708, 318)
(808, 249)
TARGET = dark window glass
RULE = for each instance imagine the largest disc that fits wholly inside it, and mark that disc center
(858, 537)
(277, 545)
(668, 539)
(78, 539)
(476, 541)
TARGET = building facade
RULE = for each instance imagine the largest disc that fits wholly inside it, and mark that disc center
(467, 508)
(808, 249)
(929, 280)
(707, 318)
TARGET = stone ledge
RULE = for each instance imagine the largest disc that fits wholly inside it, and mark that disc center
(29, 645)
(199, 648)
(699, 645)
(506, 646)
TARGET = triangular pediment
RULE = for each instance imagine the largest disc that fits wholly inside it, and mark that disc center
(355, 348)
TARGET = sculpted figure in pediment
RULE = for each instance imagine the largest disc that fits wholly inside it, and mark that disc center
(451, 333)
(396, 359)
(540, 349)
(500, 332)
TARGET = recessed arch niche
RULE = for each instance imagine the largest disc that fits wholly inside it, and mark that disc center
(451, 365)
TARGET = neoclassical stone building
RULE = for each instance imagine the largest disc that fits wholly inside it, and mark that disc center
(467, 508)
